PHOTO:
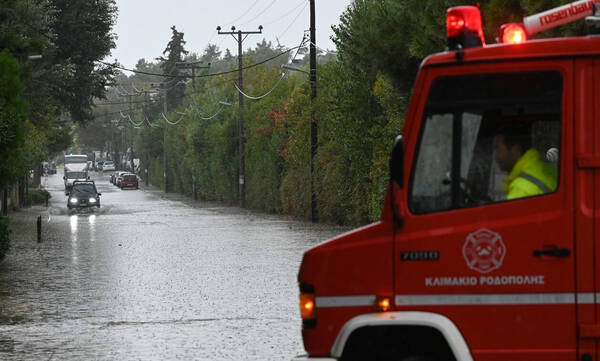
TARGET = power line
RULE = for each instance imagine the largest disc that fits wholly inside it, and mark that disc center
(264, 95)
(259, 14)
(243, 14)
(197, 76)
(170, 122)
(293, 21)
(283, 16)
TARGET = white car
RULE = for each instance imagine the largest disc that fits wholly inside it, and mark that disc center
(108, 166)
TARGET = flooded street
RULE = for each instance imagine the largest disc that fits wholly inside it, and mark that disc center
(149, 277)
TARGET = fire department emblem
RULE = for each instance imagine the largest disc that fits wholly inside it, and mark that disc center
(484, 250)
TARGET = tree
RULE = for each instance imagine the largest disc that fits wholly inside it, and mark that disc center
(13, 113)
(82, 36)
(175, 51)
(211, 54)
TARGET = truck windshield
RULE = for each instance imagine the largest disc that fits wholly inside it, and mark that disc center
(76, 159)
(76, 175)
(487, 138)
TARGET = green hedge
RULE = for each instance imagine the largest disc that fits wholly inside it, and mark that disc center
(36, 196)
(4, 236)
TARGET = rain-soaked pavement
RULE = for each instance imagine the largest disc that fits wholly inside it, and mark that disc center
(149, 277)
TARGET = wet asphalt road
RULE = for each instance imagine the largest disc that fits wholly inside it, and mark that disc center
(152, 277)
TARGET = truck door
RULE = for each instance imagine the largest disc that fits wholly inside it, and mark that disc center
(587, 153)
(488, 234)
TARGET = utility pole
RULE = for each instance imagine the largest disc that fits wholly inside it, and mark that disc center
(240, 127)
(164, 88)
(131, 138)
(146, 157)
(165, 162)
(314, 145)
(193, 66)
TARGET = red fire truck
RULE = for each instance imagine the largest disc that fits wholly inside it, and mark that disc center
(486, 248)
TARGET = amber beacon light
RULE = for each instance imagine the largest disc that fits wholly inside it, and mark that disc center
(513, 34)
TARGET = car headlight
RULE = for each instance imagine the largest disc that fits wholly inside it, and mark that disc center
(92, 200)
(73, 200)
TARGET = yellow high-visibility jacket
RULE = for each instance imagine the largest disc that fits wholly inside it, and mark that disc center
(530, 176)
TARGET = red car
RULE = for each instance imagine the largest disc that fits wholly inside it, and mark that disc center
(129, 180)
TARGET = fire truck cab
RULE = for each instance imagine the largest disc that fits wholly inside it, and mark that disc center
(487, 244)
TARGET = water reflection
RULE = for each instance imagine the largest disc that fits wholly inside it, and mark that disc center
(73, 221)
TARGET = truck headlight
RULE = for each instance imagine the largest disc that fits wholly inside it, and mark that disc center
(92, 200)
(73, 200)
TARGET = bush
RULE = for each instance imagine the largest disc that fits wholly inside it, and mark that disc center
(4, 236)
(36, 196)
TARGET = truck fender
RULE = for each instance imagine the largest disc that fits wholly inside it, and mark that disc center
(447, 328)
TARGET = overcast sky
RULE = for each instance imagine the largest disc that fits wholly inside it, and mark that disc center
(143, 26)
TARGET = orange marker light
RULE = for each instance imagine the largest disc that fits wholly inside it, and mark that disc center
(383, 304)
(513, 34)
(307, 306)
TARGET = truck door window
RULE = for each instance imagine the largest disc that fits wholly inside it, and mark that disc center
(487, 138)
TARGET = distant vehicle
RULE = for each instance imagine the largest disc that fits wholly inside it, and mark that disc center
(108, 166)
(72, 177)
(76, 159)
(76, 168)
(51, 168)
(129, 180)
(119, 178)
(83, 194)
(113, 177)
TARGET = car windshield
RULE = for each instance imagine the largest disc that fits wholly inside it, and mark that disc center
(83, 189)
(129, 177)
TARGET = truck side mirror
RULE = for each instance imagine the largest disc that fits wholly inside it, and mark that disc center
(397, 162)
(64, 177)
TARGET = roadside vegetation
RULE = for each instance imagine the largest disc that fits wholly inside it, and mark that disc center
(36, 196)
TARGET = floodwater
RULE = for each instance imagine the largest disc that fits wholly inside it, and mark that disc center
(152, 277)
